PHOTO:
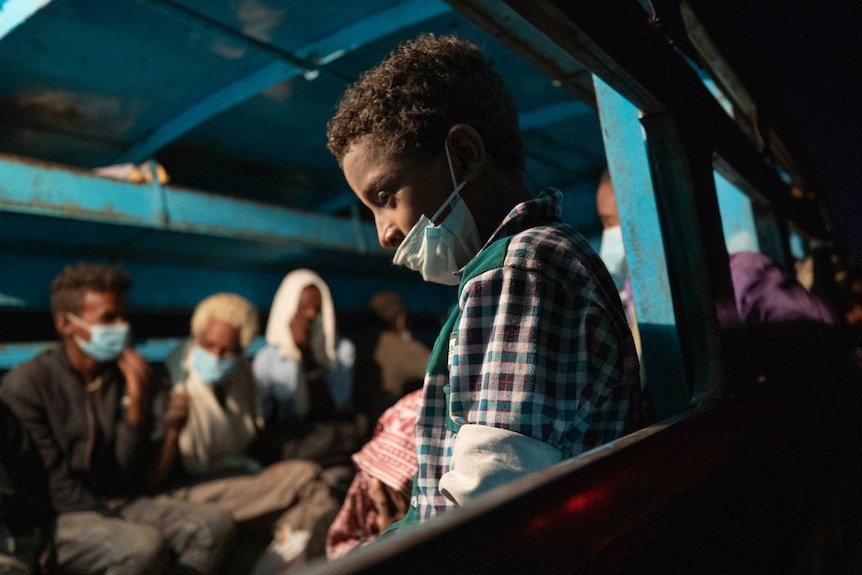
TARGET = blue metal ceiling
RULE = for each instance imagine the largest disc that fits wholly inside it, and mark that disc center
(232, 97)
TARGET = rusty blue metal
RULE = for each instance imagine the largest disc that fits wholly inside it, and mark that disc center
(628, 163)
(50, 190)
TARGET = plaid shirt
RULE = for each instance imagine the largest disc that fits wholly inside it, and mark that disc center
(539, 345)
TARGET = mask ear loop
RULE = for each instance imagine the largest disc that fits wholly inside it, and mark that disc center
(457, 189)
(449, 161)
(80, 322)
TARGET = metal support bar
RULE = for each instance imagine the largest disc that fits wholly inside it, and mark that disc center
(29, 187)
(773, 236)
(708, 321)
(524, 39)
(645, 253)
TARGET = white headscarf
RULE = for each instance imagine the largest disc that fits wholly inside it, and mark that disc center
(284, 306)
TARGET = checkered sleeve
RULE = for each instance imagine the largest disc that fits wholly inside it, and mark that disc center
(538, 352)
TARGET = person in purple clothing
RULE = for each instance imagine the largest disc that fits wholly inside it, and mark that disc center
(789, 331)
(536, 363)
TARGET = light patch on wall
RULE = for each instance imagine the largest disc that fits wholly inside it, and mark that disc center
(281, 91)
(87, 112)
(7, 300)
(228, 49)
(258, 20)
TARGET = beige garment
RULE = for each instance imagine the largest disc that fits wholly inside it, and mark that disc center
(213, 433)
(400, 361)
(285, 493)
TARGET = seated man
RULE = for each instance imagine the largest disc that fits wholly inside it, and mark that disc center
(213, 420)
(536, 363)
(87, 407)
(304, 373)
(389, 362)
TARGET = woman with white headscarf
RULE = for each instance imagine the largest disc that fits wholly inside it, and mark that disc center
(304, 373)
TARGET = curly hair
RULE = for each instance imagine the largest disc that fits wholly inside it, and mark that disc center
(408, 102)
(69, 287)
(230, 308)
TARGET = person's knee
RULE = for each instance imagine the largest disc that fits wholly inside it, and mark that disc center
(220, 524)
(203, 536)
(11, 566)
(87, 542)
(143, 550)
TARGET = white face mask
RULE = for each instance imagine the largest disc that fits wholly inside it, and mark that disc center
(613, 254)
(438, 251)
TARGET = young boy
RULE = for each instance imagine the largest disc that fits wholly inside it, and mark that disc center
(536, 363)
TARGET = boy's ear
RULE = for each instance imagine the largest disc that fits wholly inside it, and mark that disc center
(468, 152)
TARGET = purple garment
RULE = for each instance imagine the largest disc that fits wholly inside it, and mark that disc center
(765, 294)
(790, 332)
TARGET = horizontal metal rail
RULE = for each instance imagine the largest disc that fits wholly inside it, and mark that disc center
(38, 188)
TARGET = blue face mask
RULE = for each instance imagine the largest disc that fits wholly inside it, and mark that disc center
(210, 367)
(106, 340)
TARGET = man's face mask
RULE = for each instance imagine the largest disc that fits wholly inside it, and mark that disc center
(613, 254)
(438, 251)
(210, 367)
(106, 340)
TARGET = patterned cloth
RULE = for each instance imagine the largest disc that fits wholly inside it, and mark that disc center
(538, 346)
(389, 456)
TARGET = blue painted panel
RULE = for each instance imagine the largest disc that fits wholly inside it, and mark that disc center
(628, 163)
(175, 287)
(46, 190)
(798, 247)
(558, 112)
(737, 218)
(153, 350)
